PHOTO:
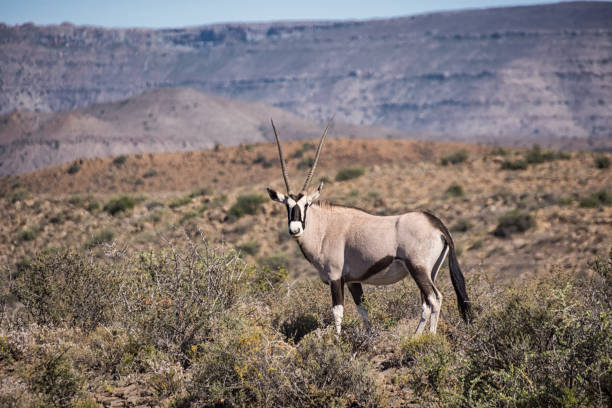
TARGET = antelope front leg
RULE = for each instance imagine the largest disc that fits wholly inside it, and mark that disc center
(337, 292)
(357, 291)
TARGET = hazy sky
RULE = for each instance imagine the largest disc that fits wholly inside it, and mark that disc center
(179, 13)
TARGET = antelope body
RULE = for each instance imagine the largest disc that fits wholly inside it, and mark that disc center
(349, 247)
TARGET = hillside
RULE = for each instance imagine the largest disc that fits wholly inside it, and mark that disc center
(507, 75)
(162, 120)
(121, 286)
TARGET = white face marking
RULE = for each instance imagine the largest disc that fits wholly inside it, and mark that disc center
(295, 228)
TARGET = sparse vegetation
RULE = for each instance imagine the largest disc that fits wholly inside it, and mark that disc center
(74, 168)
(119, 204)
(150, 173)
(514, 165)
(461, 226)
(247, 204)
(460, 156)
(249, 248)
(18, 194)
(514, 222)
(454, 190)
(350, 173)
(602, 162)
(597, 199)
(98, 238)
(180, 201)
(537, 155)
(27, 234)
(119, 160)
(202, 191)
(306, 163)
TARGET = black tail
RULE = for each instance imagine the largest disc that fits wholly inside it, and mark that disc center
(455, 271)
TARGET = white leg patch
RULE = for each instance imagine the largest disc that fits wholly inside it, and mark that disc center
(338, 312)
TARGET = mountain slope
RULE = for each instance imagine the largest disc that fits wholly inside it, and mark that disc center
(163, 120)
(519, 74)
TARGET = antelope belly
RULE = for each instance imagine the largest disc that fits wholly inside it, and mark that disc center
(394, 273)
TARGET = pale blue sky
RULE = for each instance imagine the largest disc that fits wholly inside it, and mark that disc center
(180, 13)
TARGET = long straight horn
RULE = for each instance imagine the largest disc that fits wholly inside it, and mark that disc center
(316, 159)
(280, 155)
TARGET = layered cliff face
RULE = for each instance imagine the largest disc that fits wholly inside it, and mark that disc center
(510, 75)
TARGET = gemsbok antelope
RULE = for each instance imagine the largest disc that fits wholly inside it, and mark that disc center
(349, 246)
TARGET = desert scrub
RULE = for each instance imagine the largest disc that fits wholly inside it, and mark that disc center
(460, 156)
(99, 238)
(119, 160)
(601, 162)
(246, 204)
(461, 226)
(27, 234)
(202, 191)
(180, 201)
(514, 222)
(249, 248)
(536, 155)
(350, 173)
(73, 168)
(597, 199)
(170, 298)
(429, 368)
(119, 204)
(19, 194)
(56, 288)
(514, 165)
(251, 367)
(454, 190)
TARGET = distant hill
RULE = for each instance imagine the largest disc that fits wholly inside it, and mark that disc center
(511, 75)
(163, 120)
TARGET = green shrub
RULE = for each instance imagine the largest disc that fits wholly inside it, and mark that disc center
(350, 173)
(536, 155)
(457, 157)
(246, 204)
(499, 151)
(119, 160)
(202, 191)
(56, 288)
(454, 190)
(597, 199)
(180, 201)
(173, 298)
(100, 237)
(188, 215)
(602, 162)
(430, 363)
(514, 222)
(249, 247)
(119, 204)
(74, 168)
(19, 194)
(514, 165)
(461, 226)
(150, 173)
(55, 380)
(274, 261)
(306, 163)
(27, 234)
(552, 345)
(249, 367)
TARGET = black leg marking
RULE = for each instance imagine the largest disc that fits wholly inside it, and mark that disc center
(337, 292)
(422, 279)
(357, 292)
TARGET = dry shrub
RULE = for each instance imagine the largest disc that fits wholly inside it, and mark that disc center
(171, 298)
(248, 366)
(61, 287)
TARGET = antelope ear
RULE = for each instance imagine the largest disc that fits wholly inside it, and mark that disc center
(276, 196)
(315, 194)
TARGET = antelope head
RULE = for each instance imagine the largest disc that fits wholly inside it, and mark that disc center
(297, 203)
